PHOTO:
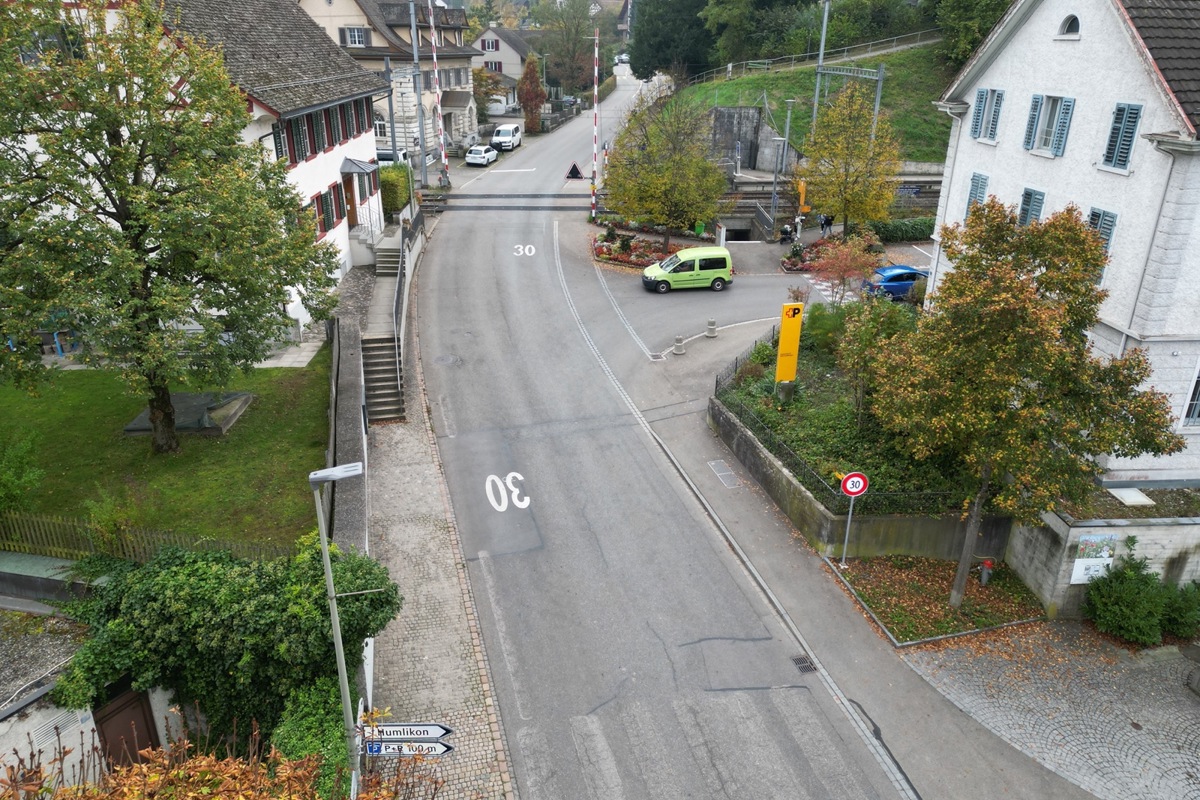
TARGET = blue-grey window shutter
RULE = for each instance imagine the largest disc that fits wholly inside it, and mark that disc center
(994, 122)
(1121, 135)
(978, 190)
(1063, 124)
(1031, 206)
(1104, 222)
(1035, 108)
(977, 113)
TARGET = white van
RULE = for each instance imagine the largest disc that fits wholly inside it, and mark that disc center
(506, 137)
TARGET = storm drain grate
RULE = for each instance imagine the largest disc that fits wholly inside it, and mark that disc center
(804, 664)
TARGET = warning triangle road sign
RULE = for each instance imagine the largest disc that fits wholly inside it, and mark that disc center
(574, 174)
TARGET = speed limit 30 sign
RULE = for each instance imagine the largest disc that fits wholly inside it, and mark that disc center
(854, 484)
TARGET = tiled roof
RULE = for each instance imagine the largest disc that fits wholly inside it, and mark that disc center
(394, 16)
(275, 53)
(1171, 32)
(510, 37)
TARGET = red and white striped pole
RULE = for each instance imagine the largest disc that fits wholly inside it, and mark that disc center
(437, 99)
(595, 116)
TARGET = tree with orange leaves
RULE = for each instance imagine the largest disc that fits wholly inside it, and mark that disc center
(1000, 373)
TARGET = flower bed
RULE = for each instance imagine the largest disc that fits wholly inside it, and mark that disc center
(630, 251)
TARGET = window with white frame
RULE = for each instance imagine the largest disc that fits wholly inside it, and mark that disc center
(1121, 135)
(1104, 222)
(1048, 124)
(1191, 414)
(1031, 206)
(355, 37)
(985, 117)
(493, 66)
(978, 192)
(381, 126)
(491, 45)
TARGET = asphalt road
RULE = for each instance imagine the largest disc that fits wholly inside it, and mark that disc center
(632, 654)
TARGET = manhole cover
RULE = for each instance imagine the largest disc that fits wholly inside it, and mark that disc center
(447, 361)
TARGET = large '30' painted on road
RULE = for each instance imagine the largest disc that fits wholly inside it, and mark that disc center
(497, 494)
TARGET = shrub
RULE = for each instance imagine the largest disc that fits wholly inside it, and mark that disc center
(312, 724)
(823, 330)
(18, 471)
(1181, 614)
(1128, 601)
(903, 230)
(750, 371)
(393, 188)
(763, 353)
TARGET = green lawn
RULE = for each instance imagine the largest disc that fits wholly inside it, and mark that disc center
(913, 80)
(250, 484)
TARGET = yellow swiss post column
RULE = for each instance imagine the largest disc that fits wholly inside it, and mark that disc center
(789, 342)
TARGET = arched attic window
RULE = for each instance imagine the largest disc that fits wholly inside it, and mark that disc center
(1070, 26)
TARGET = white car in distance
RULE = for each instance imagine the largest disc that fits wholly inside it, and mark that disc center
(481, 155)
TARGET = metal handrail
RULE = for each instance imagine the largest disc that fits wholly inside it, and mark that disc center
(778, 63)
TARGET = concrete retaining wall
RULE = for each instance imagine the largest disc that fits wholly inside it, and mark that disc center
(1045, 555)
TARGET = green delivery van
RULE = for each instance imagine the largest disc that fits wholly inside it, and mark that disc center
(695, 267)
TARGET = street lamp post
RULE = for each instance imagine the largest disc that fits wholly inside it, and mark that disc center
(316, 480)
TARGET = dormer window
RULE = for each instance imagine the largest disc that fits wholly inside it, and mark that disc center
(354, 37)
(1069, 29)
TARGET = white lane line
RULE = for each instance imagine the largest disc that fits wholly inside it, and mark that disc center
(620, 314)
(885, 760)
(599, 764)
(506, 650)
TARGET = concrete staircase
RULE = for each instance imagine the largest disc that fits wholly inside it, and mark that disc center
(384, 389)
(387, 261)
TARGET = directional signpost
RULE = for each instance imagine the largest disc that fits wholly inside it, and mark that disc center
(853, 485)
(385, 748)
(416, 730)
(406, 739)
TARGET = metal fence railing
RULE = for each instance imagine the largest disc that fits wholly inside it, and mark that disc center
(742, 68)
(70, 538)
(825, 493)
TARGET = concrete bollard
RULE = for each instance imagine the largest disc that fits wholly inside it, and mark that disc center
(678, 350)
(711, 330)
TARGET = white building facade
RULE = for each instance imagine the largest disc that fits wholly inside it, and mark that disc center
(1097, 103)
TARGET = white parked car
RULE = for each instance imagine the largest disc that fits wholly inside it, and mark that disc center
(506, 137)
(481, 155)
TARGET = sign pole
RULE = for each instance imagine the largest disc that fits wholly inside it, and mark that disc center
(853, 485)
(846, 541)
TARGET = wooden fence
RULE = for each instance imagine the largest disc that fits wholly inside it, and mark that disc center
(65, 537)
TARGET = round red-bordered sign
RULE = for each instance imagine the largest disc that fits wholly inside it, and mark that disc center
(854, 484)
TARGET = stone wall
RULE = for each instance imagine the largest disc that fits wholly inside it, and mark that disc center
(1044, 555)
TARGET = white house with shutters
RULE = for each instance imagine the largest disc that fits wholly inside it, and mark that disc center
(505, 52)
(1097, 103)
(310, 104)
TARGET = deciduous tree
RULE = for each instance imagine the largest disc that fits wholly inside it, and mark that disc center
(136, 214)
(670, 38)
(531, 94)
(569, 30)
(846, 168)
(485, 85)
(1000, 373)
(660, 169)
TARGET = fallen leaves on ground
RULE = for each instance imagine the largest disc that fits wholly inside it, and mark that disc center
(911, 596)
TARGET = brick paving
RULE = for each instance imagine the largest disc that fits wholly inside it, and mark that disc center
(1123, 726)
